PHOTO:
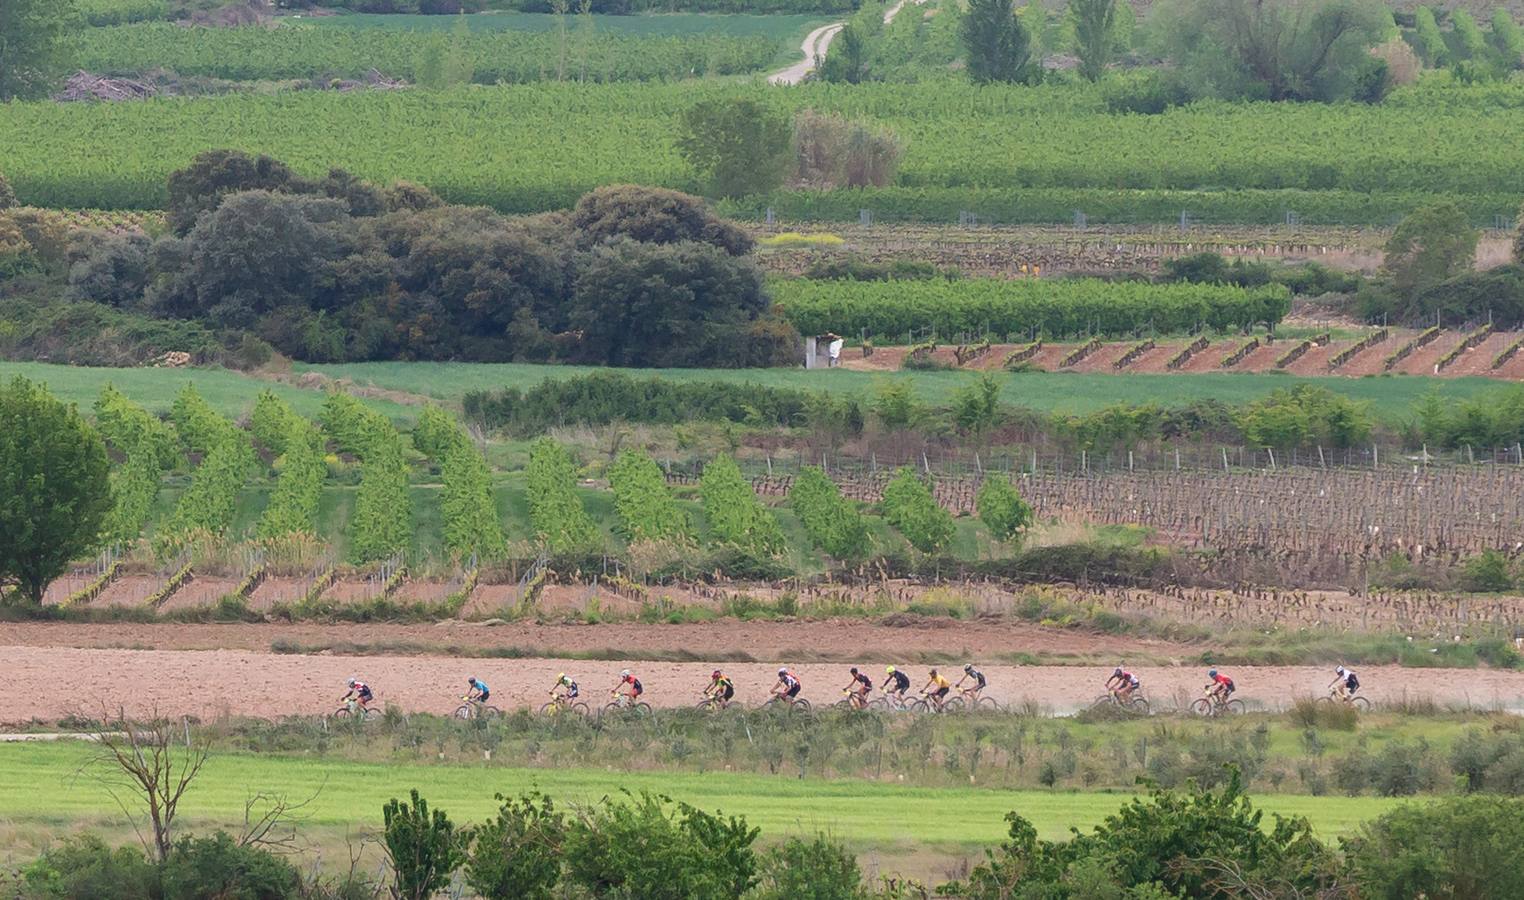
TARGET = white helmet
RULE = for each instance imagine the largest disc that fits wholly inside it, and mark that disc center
(783, 671)
(625, 673)
(352, 682)
(1339, 671)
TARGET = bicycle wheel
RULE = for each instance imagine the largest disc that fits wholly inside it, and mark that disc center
(986, 704)
(550, 709)
(920, 706)
(1102, 700)
(340, 713)
(1202, 707)
(1234, 707)
(641, 709)
(493, 712)
(1361, 703)
(952, 705)
(1324, 702)
(1139, 706)
(879, 704)
(706, 705)
(581, 709)
(463, 711)
(611, 707)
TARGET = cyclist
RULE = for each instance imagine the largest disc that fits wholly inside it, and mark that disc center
(720, 687)
(973, 690)
(564, 691)
(1220, 687)
(788, 685)
(361, 693)
(630, 684)
(477, 692)
(1346, 682)
(901, 683)
(858, 688)
(936, 689)
(1122, 684)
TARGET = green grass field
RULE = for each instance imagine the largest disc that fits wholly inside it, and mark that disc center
(780, 27)
(1391, 398)
(43, 784)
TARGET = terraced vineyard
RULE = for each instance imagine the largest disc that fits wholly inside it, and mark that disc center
(1450, 354)
(1006, 154)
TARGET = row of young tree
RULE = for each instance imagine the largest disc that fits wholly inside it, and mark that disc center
(335, 269)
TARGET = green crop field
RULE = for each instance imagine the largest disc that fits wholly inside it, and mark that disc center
(40, 783)
(782, 27)
(1391, 398)
(495, 56)
(535, 147)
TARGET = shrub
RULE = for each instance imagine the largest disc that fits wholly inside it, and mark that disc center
(423, 846)
(1001, 509)
(739, 146)
(436, 433)
(641, 848)
(814, 869)
(735, 515)
(656, 216)
(647, 510)
(909, 506)
(555, 510)
(1487, 572)
(832, 521)
(517, 853)
(216, 867)
(82, 867)
(834, 152)
(1447, 848)
(1430, 245)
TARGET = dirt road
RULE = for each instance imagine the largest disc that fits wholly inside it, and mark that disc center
(50, 683)
(817, 42)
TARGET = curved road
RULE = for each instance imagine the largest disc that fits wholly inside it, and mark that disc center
(817, 42)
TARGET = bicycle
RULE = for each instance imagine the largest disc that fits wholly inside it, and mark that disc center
(853, 701)
(712, 703)
(974, 701)
(925, 705)
(890, 702)
(353, 710)
(1214, 705)
(561, 705)
(475, 709)
(623, 704)
(1134, 704)
(1363, 704)
(788, 704)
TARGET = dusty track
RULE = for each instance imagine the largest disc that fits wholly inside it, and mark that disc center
(213, 683)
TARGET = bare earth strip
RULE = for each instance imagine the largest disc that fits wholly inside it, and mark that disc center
(41, 680)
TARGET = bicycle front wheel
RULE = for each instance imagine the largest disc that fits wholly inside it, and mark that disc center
(1101, 701)
(549, 709)
(1202, 707)
(463, 711)
(920, 706)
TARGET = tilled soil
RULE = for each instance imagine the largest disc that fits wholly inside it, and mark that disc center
(213, 683)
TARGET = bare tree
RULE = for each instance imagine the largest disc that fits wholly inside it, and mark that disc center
(269, 820)
(148, 766)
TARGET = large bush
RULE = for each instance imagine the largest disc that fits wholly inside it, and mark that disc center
(640, 847)
(1459, 847)
(654, 216)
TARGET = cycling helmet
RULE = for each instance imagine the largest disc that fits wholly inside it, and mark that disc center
(715, 674)
(854, 670)
(1339, 671)
(889, 670)
(783, 671)
(352, 682)
(561, 677)
(969, 668)
(933, 672)
(471, 680)
(1117, 671)
(1211, 673)
(625, 673)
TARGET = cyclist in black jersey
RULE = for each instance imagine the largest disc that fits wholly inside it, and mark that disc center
(971, 693)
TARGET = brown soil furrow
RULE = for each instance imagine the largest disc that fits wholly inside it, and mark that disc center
(199, 591)
(1513, 370)
(1478, 360)
(1049, 356)
(1423, 360)
(351, 590)
(411, 591)
(1101, 360)
(63, 587)
(1372, 361)
(128, 590)
(1154, 360)
(1262, 358)
(1210, 359)
(278, 589)
(171, 683)
(1315, 360)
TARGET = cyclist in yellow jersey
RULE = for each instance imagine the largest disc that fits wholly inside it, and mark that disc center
(936, 689)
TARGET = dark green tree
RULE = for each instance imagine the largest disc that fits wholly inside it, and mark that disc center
(55, 491)
(423, 845)
(1001, 509)
(31, 45)
(847, 61)
(738, 146)
(1095, 26)
(1432, 244)
(997, 44)
(517, 854)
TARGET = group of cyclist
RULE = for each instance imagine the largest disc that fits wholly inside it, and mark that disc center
(1122, 684)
